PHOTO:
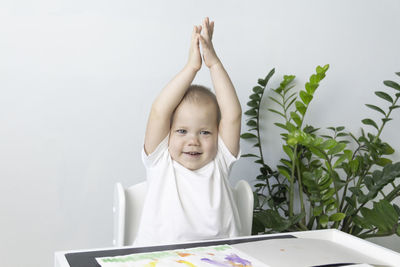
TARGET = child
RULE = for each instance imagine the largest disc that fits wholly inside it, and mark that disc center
(191, 141)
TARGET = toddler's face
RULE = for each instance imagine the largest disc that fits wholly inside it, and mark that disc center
(193, 139)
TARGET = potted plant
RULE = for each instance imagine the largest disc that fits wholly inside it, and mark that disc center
(343, 181)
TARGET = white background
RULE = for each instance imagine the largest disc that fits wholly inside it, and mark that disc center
(77, 79)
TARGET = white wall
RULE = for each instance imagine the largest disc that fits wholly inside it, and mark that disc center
(77, 79)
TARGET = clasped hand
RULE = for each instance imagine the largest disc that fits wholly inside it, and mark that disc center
(202, 34)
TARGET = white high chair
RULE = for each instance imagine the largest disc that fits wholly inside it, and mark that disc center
(128, 205)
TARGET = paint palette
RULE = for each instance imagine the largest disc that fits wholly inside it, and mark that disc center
(222, 256)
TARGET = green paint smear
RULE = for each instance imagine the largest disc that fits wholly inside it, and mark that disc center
(162, 254)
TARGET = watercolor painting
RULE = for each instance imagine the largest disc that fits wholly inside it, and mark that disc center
(215, 256)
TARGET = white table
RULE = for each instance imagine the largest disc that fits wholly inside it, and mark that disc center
(309, 248)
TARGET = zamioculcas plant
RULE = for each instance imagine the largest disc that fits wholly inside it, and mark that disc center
(340, 180)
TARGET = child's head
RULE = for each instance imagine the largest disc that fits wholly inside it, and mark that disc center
(193, 137)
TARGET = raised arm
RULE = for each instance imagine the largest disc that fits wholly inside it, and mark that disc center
(231, 112)
(158, 124)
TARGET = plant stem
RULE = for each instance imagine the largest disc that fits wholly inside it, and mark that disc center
(300, 190)
(260, 148)
(384, 121)
(392, 195)
(364, 236)
(291, 189)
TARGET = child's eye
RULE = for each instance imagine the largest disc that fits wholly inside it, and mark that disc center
(181, 131)
(205, 132)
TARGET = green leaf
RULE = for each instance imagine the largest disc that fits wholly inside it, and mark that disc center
(360, 221)
(262, 82)
(301, 108)
(296, 118)
(336, 149)
(283, 126)
(258, 89)
(340, 128)
(251, 112)
(310, 87)
(252, 104)
(392, 84)
(376, 108)
(282, 170)
(354, 165)
(249, 155)
(370, 122)
(383, 162)
(387, 149)
(323, 185)
(317, 211)
(330, 207)
(288, 163)
(351, 201)
(269, 75)
(382, 215)
(314, 79)
(397, 208)
(323, 220)
(340, 160)
(251, 123)
(384, 95)
(319, 69)
(397, 73)
(277, 112)
(275, 100)
(328, 144)
(317, 152)
(248, 136)
(306, 97)
(328, 194)
(255, 97)
(288, 150)
(394, 106)
(384, 120)
(290, 127)
(337, 217)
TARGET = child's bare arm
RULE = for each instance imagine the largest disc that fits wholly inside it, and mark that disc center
(158, 124)
(231, 112)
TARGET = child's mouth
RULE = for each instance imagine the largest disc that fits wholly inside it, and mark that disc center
(193, 153)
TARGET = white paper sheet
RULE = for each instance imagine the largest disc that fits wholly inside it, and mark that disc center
(220, 256)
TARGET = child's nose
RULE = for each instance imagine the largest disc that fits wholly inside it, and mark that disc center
(194, 140)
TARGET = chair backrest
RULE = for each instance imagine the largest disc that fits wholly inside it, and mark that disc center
(128, 206)
(244, 202)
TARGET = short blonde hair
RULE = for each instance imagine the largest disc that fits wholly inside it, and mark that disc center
(199, 93)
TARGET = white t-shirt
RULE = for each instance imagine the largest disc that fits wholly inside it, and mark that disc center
(184, 205)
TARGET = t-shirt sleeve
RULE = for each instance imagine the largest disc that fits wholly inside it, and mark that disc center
(224, 156)
(156, 155)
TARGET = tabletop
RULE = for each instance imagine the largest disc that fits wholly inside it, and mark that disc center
(329, 247)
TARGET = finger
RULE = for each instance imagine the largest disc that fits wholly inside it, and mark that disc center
(205, 27)
(202, 41)
(194, 32)
(211, 28)
(197, 40)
